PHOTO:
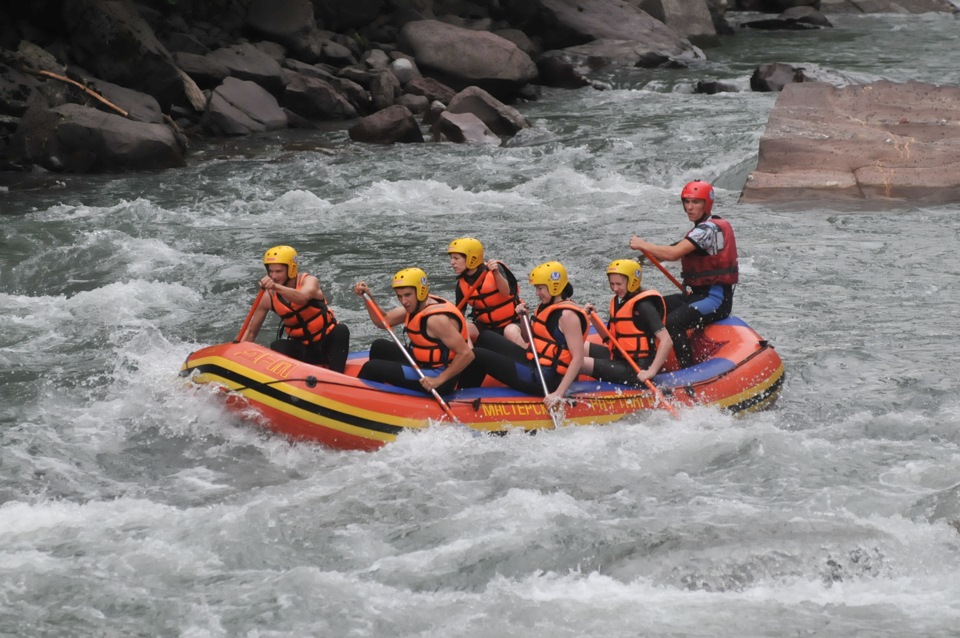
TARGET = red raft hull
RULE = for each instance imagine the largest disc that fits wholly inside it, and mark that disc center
(738, 372)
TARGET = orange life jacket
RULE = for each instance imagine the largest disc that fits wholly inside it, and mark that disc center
(491, 308)
(307, 323)
(707, 270)
(427, 351)
(548, 340)
(635, 341)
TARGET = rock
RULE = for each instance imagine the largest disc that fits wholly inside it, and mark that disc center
(556, 70)
(774, 76)
(288, 22)
(433, 112)
(384, 89)
(79, 139)
(241, 107)
(689, 18)
(567, 23)
(316, 99)
(206, 72)
(880, 141)
(433, 90)
(416, 103)
(392, 124)
(462, 57)
(140, 107)
(247, 62)
(404, 70)
(500, 118)
(15, 90)
(113, 42)
(463, 128)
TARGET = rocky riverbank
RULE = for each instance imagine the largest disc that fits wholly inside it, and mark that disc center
(111, 85)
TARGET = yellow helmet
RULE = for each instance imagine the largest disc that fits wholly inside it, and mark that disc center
(630, 269)
(412, 278)
(552, 275)
(283, 255)
(470, 248)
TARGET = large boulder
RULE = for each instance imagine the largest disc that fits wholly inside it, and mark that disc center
(240, 107)
(247, 62)
(113, 42)
(316, 99)
(689, 18)
(79, 139)
(880, 141)
(567, 23)
(288, 22)
(463, 57)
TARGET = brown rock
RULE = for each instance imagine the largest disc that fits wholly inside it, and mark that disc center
(880, 141)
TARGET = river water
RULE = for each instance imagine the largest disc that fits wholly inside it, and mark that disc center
(132, 506)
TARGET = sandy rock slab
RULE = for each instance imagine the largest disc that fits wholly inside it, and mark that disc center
(879, 141)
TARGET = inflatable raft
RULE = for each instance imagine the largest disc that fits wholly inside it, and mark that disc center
(738, 371)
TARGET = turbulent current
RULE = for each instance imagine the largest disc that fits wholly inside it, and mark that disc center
(130, 505)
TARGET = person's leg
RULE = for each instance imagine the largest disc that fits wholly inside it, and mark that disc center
(335, 347)
(678, 322)
(518, 375)
(290, 348)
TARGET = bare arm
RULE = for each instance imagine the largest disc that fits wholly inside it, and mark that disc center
(309, 290)
(503, 285)
(663, 253)
(445, 329)
(664, 346)
(394, 316)
(256, 321)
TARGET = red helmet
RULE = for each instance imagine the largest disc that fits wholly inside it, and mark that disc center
(699, 190)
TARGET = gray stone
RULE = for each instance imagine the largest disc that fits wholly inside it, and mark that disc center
(392, 124)
(241, 107)
(498, 117)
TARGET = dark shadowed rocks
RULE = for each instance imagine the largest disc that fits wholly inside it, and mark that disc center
(463, 128)
(498, 117)
(393, 124)
(463, 57)
(241, 107)
(78, 139)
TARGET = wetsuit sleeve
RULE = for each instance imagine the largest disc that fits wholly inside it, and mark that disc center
(646, 317)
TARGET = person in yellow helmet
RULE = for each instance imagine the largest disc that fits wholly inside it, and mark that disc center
(437, 334)
(559, 328)
(637, 319)
(313, 334)
(488, 287)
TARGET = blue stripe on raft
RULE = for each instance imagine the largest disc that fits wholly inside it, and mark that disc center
(694, 374)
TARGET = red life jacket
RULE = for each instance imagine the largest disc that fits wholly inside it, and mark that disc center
(427, 351)
(491, 308)
(307, 323)
(707, 270)
(635, 341)
(548, 340)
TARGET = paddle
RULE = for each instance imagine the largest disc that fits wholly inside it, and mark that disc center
(605, 333)
(253, 309)
(666, 272)
(376, 311)
(543, 382)
(473, 289)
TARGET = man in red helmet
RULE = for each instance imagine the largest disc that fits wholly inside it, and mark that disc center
(708, 258)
